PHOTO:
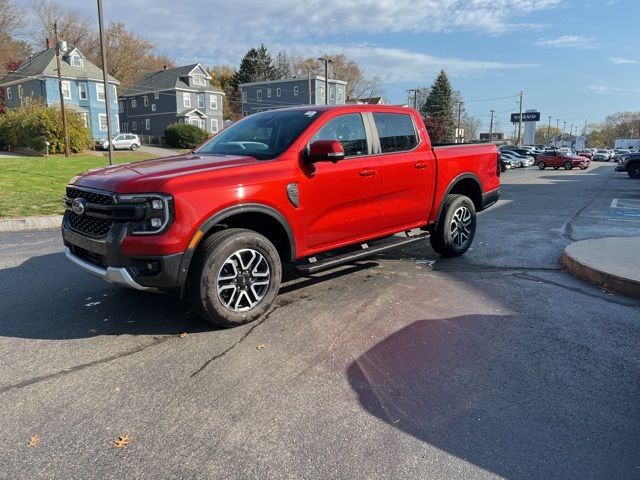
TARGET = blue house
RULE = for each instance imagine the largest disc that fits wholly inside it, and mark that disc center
(82, 87)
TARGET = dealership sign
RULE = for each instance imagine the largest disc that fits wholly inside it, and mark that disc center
(526, 117)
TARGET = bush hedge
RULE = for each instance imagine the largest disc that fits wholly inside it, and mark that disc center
(183, 135)
(33, 125)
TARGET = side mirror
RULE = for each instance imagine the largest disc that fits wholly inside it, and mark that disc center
(325, 151)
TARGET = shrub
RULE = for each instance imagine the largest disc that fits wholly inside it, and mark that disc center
(33, 125)
(183, 135)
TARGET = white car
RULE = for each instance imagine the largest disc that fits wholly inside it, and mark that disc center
(124, 141)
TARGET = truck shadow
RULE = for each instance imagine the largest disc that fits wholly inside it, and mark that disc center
(465, 386)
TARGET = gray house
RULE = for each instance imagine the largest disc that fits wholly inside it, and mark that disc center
(269, 95)
(82, 87)
(171, 95)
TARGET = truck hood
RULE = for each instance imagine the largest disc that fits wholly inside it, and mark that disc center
(149, 175)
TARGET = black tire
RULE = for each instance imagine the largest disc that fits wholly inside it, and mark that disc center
(134, 147)
(214, 259)
(541, 165)
(448, 237)
(633, 170)
(568, 165)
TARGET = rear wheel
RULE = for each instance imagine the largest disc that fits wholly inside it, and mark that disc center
(634, 170)
(541, 165)
(568, 165)
(456, 228)
(134, 146)
(236, 277)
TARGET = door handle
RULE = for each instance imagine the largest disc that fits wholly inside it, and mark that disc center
(367, 172)
(421, 165)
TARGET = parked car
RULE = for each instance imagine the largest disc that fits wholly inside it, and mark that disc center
(124, 141)
(601, 155)
(509, 161)
(282, 186)
(629, 163)
(586, 153)
(524, 151)
(521, 160)
(562, 159)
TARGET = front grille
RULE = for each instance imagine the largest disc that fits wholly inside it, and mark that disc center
(91, 257)
(87, 224)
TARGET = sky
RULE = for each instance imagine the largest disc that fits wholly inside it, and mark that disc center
(575, 60)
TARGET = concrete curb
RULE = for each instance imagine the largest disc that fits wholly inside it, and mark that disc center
(612, 263)
(30, 223)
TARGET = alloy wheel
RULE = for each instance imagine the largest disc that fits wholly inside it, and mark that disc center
(460, 228)
(243, 280)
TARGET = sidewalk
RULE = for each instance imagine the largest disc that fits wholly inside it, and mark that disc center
(613, 263)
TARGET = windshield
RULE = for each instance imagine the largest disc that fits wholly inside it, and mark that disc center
(602, 151)
(263, 136)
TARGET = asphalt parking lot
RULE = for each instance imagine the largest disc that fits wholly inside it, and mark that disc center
(495, 364)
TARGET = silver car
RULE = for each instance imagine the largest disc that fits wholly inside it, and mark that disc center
(124, 141)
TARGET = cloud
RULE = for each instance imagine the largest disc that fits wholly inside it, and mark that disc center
(603, 89)
(622, 61)
(567, 41)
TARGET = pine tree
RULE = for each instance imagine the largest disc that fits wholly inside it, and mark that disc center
(438, 110)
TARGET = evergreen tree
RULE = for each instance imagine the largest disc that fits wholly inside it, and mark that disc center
(256, 66)
(282, 66)
(438, 110)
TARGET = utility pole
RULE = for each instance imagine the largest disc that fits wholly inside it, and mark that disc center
(326, 61)
(65, 132)
(520, 122)
(105, 76)
(557, 132)
(458, 135)
(309, 82)
(491, 127)
(549, 133)
(564, 130)
(415, 96)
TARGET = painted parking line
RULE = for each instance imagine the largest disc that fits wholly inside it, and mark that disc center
(625, 208)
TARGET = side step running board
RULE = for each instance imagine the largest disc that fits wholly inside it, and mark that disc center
(367, 249)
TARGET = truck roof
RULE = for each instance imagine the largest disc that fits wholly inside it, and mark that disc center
(349, 107)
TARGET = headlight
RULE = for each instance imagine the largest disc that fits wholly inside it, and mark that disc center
(158, 216)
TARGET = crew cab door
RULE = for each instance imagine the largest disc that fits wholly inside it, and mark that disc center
(342, 201)
(408, 170)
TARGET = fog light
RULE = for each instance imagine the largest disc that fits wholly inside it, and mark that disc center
(157, 204)
(156, 222)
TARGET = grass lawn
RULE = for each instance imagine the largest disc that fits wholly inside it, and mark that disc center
(31, 186)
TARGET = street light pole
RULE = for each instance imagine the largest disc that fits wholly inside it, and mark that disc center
(491, 127)
(459, 118)
(65, 132)
(564, 129)
(549, 133)
(555, 137)
(326, 61)
(520, 121)
(105, 80)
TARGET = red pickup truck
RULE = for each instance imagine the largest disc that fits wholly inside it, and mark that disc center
(314, 186)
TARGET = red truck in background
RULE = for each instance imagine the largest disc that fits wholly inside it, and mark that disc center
(284, 186)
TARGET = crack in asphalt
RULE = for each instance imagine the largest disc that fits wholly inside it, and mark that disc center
(240, 340)
(568, 227)
(616, 301)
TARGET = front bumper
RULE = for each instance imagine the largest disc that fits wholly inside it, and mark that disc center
(103, 258)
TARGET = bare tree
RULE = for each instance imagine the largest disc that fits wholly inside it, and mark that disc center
(13, 49)
(72, 27)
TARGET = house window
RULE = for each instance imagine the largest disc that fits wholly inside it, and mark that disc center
(268, 93)
(66, 90)
(103, 121)
(20, 91)
(295, 89)
(213, 102)
(134, 103)
(278, 92)
(321, 93)
(186, 100)
(8, 90)
(114, 93)
(153, 107)
(75, 60)
(100, 91)
(259, 95)
(214, 125)
(332, 93)
(145, 100)
(156, 95)
(198, 80)
(340, 98)
(82, 91)
(124, 128)
(200, 97)
(134, 126)
(121, 105)
(147, 124)
(244, 96)
(85, 119)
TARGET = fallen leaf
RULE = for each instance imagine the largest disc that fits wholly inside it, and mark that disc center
(261, 346)
(123, 441)
(92, 304)
(117, 389)
(182, 335)
(33, 441)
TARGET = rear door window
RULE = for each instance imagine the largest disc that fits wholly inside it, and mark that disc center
(349, 131)
(396, 131)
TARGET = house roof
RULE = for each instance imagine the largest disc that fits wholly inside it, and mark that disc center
(169, 79)
(294, 79)
(44, 64)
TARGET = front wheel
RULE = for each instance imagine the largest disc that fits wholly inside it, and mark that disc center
(541, 165)
(634, 170)
(236, 277)
(456, 227)
(568, 165)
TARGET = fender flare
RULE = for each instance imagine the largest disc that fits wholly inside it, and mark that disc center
(218, 218)
(452, 184)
